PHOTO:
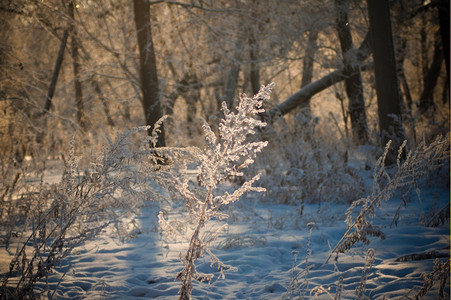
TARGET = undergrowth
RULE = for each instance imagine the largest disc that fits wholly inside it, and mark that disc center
(51, 219)
(42, 223)
(386, 182)
(226, 154)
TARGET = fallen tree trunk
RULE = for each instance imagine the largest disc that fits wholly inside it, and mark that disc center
(302, 97)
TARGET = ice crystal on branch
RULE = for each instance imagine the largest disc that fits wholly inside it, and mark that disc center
(226, 154)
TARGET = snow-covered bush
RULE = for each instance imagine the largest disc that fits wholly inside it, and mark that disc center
(54, 218)
(439, 276)
(386, 182)
(225, 155)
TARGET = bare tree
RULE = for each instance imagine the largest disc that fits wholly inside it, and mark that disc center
(148, 67)
(56, 71)
(302, 97)
(443, 12)
(77, 68)
(431, 77)
(353, 81)
(388, 99)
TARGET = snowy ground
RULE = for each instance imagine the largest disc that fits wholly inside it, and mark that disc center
(261, 241)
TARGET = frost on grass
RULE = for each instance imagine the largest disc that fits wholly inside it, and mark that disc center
(226, 154)
(63, 215)
(386, 182)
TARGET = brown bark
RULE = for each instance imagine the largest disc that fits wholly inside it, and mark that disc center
(443, 12)
(430, 79)
(148, 68)
(255, 71)
(307, 67)
(302, 97)
(56, 71)
(232, 78)
(80, 115)
(353, 81)
(309, 57)
(388, 100)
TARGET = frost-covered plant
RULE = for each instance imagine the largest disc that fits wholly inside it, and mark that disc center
(385, 183)
(305, 165)
(369, 260)
(297, 273)
(440, 274)
(63, 215)
(225, 155)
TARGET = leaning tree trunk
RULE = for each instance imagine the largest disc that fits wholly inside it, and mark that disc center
(302, 97)
(353, 81)
(56, 71)
(148, 68)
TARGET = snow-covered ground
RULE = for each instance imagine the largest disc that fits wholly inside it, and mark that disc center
(262, 242)
(271, 246)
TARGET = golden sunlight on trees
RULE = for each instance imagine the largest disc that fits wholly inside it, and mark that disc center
(133, 126)
(91, 68)
(147, 67)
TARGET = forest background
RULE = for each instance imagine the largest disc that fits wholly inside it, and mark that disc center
(80, 67)
(349, 76)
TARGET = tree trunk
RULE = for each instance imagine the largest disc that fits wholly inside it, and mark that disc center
(443, 12)
(353, 81)
(402, 74)
(388, 100)
(148, 68)
(80, 116)
(307, 67)
(304, 114)
(97, 87)
(254, 72)
(309, 57)
(56, 71)
(302, 97)
(430, 80)
(232, 78)
(423, 46)
(106, 109)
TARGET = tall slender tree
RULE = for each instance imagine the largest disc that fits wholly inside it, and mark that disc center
(76, 68)
(388, 99)
(148, 68)
(353, 81)
(431, 77)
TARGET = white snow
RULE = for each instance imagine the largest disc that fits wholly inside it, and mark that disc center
(260, 243)
(270, 245)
